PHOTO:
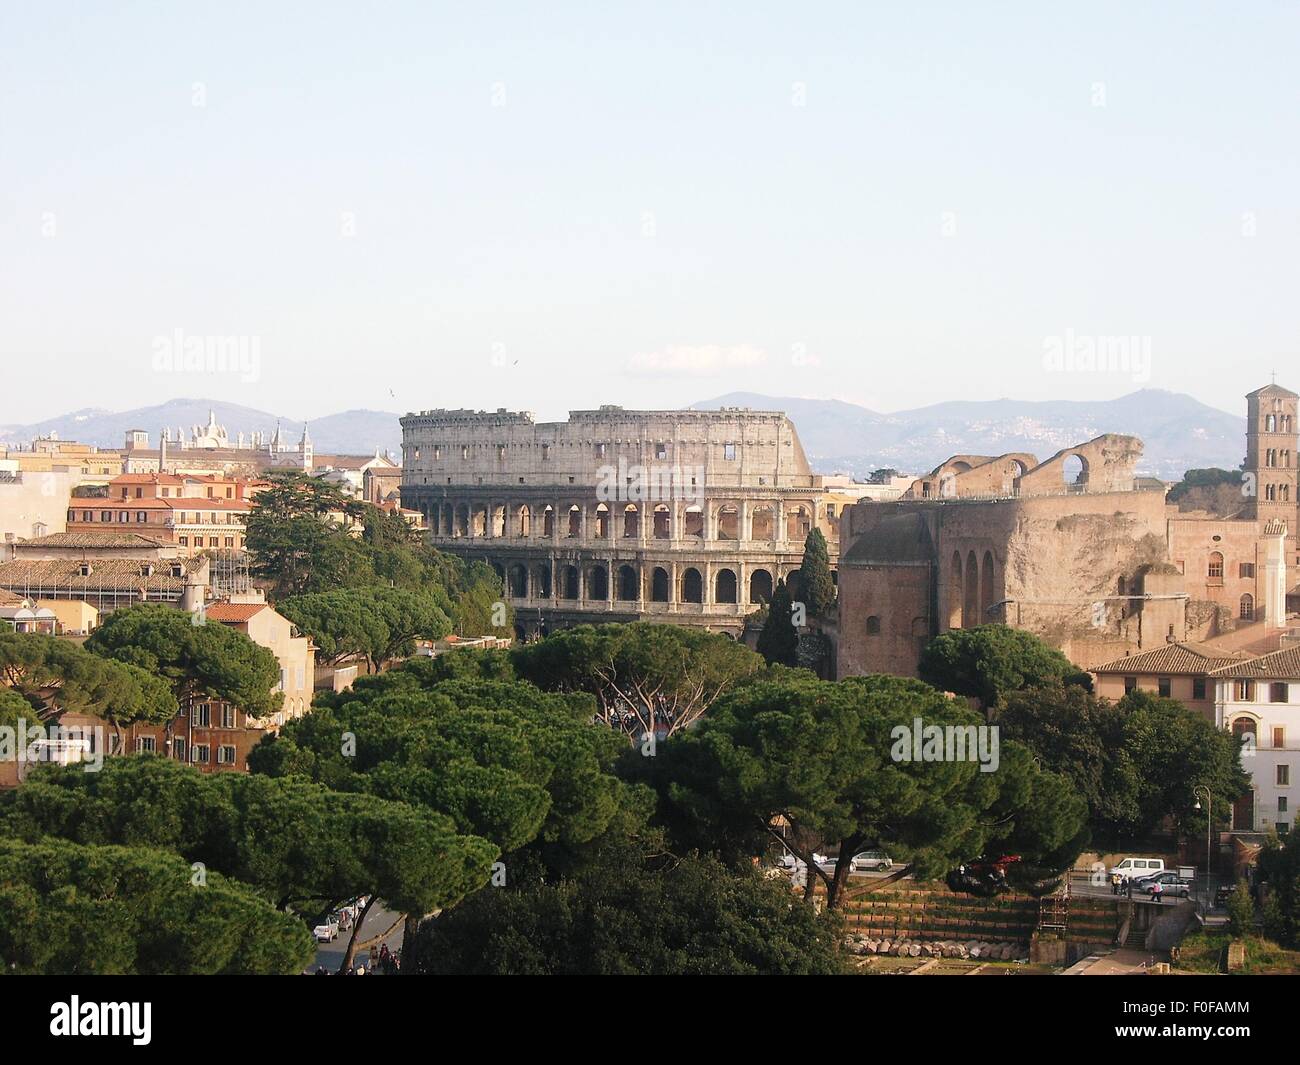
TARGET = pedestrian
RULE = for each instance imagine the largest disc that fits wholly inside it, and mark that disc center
(1157, 890)
(1115, 881)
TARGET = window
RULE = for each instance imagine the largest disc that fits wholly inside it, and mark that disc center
(225, 755)
(1279, 692)
(1245, 691)
(873, 625)
(145, 744)
(1281, 804)
(202, 716)
(230, 541)
(546, 452)
(179, 749)
(661, 451)
(1247, 607)
(600, 450)
(1130, 684)
(729, 452)
(184, 541)
(200, 752)
(227, 717)
(464, 451)
(1216, 566)
(1246, 569)
(1198, 687)
(141, 517)
(1279, 736)
(1164, 686)
(1284, 776)
(105, 515)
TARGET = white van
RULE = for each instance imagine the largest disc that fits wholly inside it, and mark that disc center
(1137, 868)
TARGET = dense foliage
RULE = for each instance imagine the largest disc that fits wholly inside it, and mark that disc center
(988, 662)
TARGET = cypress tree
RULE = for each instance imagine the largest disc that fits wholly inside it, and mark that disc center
(778, 643)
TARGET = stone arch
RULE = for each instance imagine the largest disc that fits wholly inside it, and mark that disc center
(760, 586)
(663, 522)
(794, 584)
(524, 521)
(693, 522)
(692, 586)
(479, 520)
(499, 520)
(986, 587)
(629, 583)
(597, 582)
(1246, 609)
(462, 520)
(548, 521)
(724, 586)
(955, 589)
(518, 581)
(762, 524)
(602, 522)
(798, 522)
(970, 610)
(728, 522)
(569, 583)
(542, 581)
(446, 519)
(659, 585)
(1074, 471)
(873, 625)
(574, 527)
(631, 522)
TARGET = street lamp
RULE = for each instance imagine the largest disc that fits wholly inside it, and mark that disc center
(1209, 825)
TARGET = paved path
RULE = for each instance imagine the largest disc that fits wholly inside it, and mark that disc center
(331, 955)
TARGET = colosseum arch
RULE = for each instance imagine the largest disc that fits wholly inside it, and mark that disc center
(569, 583)
(573, 529)
(542, 581)
(631, 522)
(548, 521)
(629, 583)
(798, 522)
(602, 521)
(663, 522)
(659, 585)
(518, 581)
(728, 518)
(499, 520)
(462, 520)
(693, 522)
(597, 582)
(524, 521)
(692, 586)
(762, 524)
(760, 586)
(479, 524)
(724, 586)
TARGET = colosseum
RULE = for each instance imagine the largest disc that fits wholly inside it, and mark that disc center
(618, 515)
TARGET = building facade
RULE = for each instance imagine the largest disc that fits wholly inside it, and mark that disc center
(682, 516)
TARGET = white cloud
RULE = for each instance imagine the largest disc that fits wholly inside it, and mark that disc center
(695, 361)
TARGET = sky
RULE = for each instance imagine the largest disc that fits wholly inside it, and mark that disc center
(314, 207)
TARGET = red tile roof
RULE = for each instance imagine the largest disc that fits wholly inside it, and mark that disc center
(1180, 658)
(234, 613)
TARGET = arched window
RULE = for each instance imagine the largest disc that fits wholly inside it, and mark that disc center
(760, 586)
(629, 582)
(659, 585)
(1247, 607)
(1215, 571)
(692, 586)
(724, 586)
(873, 625)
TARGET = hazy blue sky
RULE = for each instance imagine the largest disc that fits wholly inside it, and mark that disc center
(548, 206)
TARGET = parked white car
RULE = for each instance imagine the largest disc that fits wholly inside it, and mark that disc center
(1136, 868)
(865, 860)
(327, 932)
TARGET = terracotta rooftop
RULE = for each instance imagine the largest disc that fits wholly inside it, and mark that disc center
(36, 576)
(1182, 658)
(234, 613)
(1280, 665)
(93, 540)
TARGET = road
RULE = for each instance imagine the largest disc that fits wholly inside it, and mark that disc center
(330, 955)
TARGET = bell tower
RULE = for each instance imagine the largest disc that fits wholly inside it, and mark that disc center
(1271, 445)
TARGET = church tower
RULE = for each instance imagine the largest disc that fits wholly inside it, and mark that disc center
(305, 449)
(1271, 446)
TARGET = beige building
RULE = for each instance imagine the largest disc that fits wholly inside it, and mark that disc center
(296, 654)
(682, 516)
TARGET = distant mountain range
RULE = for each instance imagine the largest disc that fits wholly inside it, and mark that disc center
(353, 432)
(1180, 433)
